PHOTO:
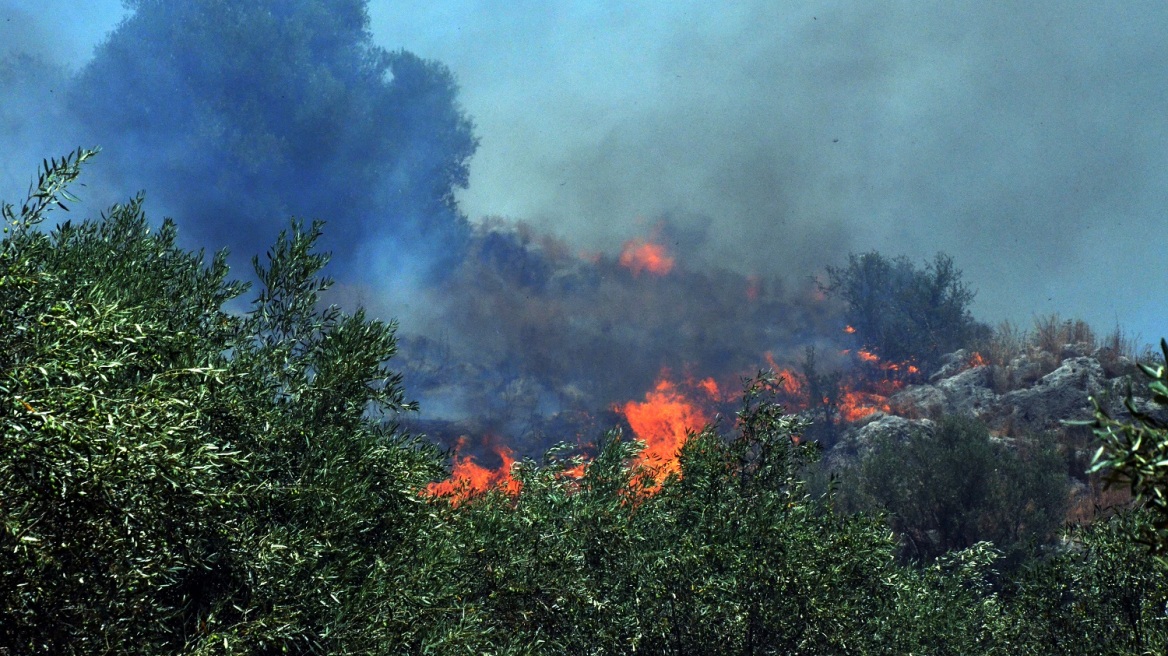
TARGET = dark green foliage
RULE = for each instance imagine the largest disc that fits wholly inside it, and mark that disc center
(176, 478)
(241, 112)
(903, 313)
(823, 391)
(1100, 594)
(729, 557)
(960, 486)
(1136, 452)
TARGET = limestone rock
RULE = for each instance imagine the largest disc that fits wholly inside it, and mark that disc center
(857, 441)
(1061, 395)
(969, 393)
(918, 402)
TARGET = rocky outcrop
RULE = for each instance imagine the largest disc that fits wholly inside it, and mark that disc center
(1062, 395)
(966, 392)
(857, 441)
(1044, 392)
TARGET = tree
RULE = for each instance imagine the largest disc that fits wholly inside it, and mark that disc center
(176, 478)
(238, 112)
(730, 556)
(903, 313)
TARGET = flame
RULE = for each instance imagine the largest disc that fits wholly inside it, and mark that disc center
(577, 472)
(710, 387)
(790, 383)
(873, 359)
(468, 478)
(639, 255)
(856, 405)
(976, 360)
(662, 421)
(849, 330)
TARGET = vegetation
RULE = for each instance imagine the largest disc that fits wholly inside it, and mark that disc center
(1135, 451)
(244, 111)
(958, 486)
(1021, 357)
(176, 478)
(904, 313)
(180, 479)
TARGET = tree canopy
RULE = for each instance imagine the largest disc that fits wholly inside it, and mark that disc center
(902, 312)
(241, 112)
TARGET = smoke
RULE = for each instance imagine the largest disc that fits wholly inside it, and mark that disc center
(240, 115)
(754, 144)
(1027, 140)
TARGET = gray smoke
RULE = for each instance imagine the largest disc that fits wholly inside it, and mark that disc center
(1025, 139)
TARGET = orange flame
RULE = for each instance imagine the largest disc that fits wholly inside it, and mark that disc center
(790, 382)
(662, 421)
(857, 405)
(639, 255)
(469, 478)
(710, 386)
(849, 330)
(976, 360)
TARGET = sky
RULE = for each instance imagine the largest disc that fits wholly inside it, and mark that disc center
(1027, 140)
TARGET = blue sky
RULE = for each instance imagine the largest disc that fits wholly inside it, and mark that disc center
(1028, 140)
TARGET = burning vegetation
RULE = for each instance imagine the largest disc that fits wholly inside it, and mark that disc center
(545, 330)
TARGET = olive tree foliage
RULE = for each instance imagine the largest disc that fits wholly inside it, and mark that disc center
(1134, 451)
(175, 478)
(959, 486)
(1101, 594)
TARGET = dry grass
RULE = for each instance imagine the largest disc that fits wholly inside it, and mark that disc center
(1097, 501)
(1007, 342)
(1052, 340)
(1053, 334)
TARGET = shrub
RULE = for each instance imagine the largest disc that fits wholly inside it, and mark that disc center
(903, 313)
(1053, 334)
(955, 488)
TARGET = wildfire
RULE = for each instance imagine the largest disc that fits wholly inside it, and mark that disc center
(789, 383)
(856, 405)
(976, 360)
(662, 421)
(468, 477)
(639, 255)
(710, 387)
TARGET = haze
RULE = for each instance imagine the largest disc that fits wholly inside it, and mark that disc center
(1026, 140)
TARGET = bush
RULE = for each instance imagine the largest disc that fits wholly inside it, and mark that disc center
(903, 313)
(956, 488)
(1100, 594)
